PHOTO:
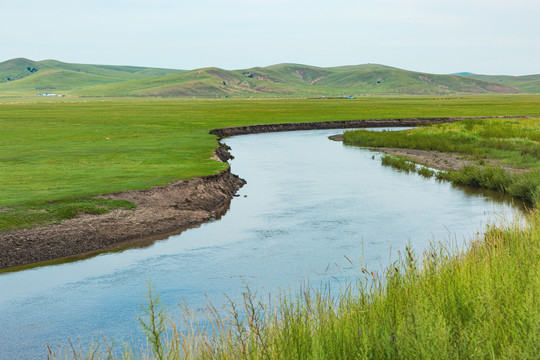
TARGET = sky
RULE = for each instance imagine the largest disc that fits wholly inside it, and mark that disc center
(435, 36)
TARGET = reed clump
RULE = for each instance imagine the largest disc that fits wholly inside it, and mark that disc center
(524, 186)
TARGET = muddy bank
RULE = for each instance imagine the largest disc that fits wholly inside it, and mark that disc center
(346, 124)
(160, 211)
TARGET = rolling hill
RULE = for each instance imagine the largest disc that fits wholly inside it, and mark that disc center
(527, 83)
(27, 77)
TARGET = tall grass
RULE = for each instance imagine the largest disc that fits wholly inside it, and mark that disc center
(524, 186)
(478, 303)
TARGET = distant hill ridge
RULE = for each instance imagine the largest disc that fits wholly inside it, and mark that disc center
(27, 77)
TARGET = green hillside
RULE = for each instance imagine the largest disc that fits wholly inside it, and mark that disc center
(526, 83)
(27, 77)
(299, 80)
(16, 69)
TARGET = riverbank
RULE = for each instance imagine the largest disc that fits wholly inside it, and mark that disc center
(435, 159)
(165, 210)
(160, 211)
(478, 302)
(346, 124)
(495, 154)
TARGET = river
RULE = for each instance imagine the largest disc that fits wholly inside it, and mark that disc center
(308, 203)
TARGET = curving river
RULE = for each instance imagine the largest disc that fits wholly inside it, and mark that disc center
(308, 202)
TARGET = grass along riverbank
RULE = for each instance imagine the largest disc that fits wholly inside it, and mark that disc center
(480, 303)
(69, 150)
(498, 154)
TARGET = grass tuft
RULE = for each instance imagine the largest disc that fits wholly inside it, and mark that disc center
(398, 163)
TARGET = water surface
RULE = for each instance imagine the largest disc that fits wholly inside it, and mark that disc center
(308, 203)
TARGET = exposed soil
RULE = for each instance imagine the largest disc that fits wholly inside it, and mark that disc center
(165, 210)
(438, 160)
(160, 211)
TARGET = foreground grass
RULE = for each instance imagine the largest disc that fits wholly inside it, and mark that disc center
(73, 149)
(481, 303)
(514, 144)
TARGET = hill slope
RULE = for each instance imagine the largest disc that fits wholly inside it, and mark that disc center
(527, 83)
(299, 80)
(26, 77)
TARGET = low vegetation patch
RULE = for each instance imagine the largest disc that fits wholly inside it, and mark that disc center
(53, 212)
(399, 163)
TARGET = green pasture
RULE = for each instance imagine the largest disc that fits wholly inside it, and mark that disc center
(72, 149)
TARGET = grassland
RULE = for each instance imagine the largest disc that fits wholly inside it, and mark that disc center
(288, 80)
(526, 83)
(513, 144)
(68, 150)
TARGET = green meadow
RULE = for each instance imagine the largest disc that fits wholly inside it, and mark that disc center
(59, 153)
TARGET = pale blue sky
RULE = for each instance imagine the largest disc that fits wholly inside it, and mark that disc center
(437, 36)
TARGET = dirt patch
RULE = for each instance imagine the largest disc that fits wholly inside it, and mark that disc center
(445, 161)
